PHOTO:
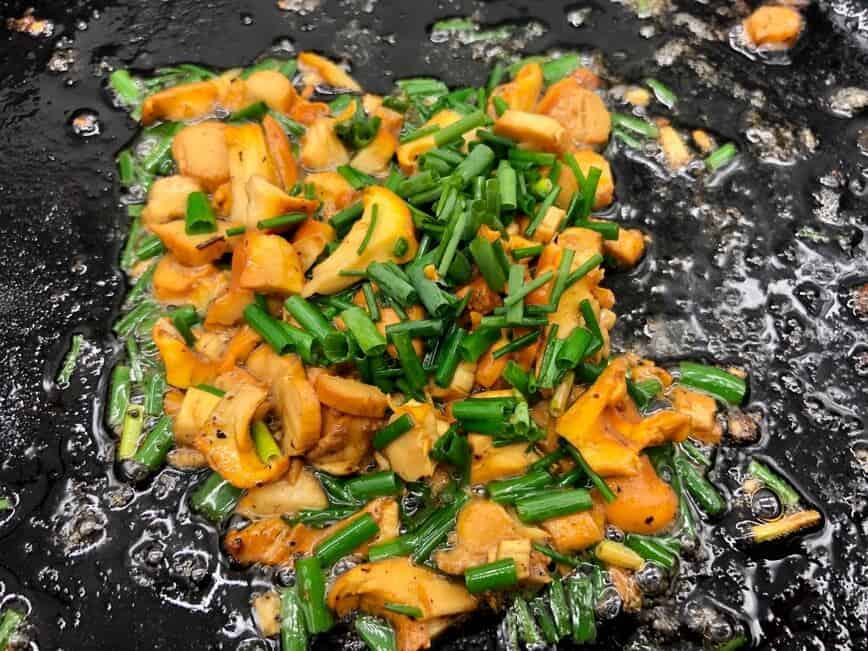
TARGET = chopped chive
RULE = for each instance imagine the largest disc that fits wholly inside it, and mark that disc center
(485, 257)
(559, 67)
(134, 420)
(393, 284)
(452, 245)
(552, 504)
(491, 576)
(280, 221)
(527, 252)
(723, 386)
(626, 138)
(268, 328)
(377, 634)
(477, 163)
(543, 208)
(150, 247)
(392, 431)
(457, 129)
(528, 288)
(156, 445)
(371, 226)
(562, 279)
(421, 132)
(184, 318)
(662, 92)
(507, 491)
(515, 312)
(477, 342)
(774, 483)
(70, 360)
(448, 357)
(598, 482)
(517, 378)
(651, 549)
(9, 623)
(686, 446)
(371, 301)
(290, 126)
(263, 441)
(414, 374)
(573, 349)
(235, 230)
(636, 125)
(252, 112)
(215, 498)
(364, 331)
(155, 389)
(500, 105)
(214, 391)
(643, 392)
(343, 220)
(119, 395)
(721, 157)
(293, 634)
(403, 609)
(311, 590)
(356, 178)
(346, 539)
(555, 555)
(200, 217)
(593, 325)
(702, 490)
(526, 158)
(583, 269)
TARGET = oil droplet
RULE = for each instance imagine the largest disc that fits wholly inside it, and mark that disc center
(85, 123)
(246, 19)
(578, 17)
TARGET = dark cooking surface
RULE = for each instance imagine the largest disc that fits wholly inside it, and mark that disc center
(758, 272)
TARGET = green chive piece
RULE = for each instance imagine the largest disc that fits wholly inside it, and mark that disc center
(250, 113)
(662, 92)
(70, 360)
(266, 448)
(364, 331)
(723, 386)
(457, 129)
(403, 609)
(774, 482)
(516, 344)
(598, 481)
(414, 374)
(346, 539)
(500, 105)
(369, 233)
(702, 490)
(636, 125)
(200, 217)
(133, 423)
(721, 157)
(293, 634)
(376, 633)
(498, 575)
(281, 221)
(215, 498)
(392, 431)
(485, 257)
(552, 504)
(310, 587)
(156, 445)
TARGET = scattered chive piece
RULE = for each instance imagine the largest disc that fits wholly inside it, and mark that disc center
(527, 251)
(268, 328)
(9, 623)
(662, 92)
(500, 105)
(552, 504)
(346, 539)
(650, 549)
(310, 587)
(543, 208)
(235, 230)
(414, 374)
(593, 325)
(211, 389)
(626, 138)
(562, 280)
(371, 226)
(343, 220)
(200, 217)
(377, 634)
(556, 555)
(399, 250)
(516, 344)
(392, 431)
(70, 360)
(528, 288)
(134, 420)
(263, 441)
(686, 446)
(356, 178)
(491, 576)
(484, 255)
(507, 491)
(702, 490)
(421, 132)
(583, 269)
(253, 112)
(293, 634)
(151, 246)
(403, 609)
(184, 318)
(724, 386)
(774, 482)
(280, 221)
(721, 157)
(457, 129)
(643, 393)
(598, 482)
(215, 498)
(636, 125)
(156, 445)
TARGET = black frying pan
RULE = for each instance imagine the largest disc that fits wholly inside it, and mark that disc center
(751, 272)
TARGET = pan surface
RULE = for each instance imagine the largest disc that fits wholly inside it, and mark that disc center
(766, 270)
